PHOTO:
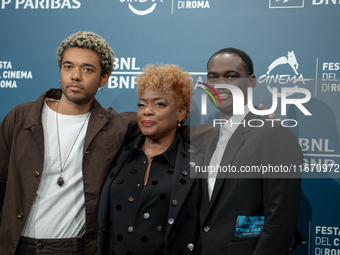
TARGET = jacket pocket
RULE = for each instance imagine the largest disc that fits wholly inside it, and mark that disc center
(244, 247)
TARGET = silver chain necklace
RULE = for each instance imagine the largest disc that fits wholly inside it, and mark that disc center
(60, 180)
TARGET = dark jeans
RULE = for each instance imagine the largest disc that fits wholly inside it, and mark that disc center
(64, 246)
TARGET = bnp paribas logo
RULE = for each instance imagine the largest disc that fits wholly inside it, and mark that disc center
(142, 7)
(286, 3)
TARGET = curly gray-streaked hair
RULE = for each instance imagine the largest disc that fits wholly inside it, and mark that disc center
(90, 41)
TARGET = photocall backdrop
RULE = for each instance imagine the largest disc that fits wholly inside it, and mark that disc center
(292, 43)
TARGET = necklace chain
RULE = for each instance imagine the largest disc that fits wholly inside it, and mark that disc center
(61, 181)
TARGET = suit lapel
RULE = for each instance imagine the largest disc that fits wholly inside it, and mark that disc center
(208, 154)
(233, 146)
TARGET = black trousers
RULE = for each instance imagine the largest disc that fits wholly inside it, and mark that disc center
(63, 246)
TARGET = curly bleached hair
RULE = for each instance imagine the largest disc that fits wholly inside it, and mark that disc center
(168, 79)
(90, 41)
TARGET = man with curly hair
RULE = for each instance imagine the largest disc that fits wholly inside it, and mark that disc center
(55, 153)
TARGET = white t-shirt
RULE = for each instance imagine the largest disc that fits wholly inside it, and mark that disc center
(59, 212)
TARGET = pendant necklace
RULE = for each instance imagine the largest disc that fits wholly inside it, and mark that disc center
(60, 180)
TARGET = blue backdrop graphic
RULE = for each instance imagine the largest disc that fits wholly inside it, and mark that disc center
(292, 43)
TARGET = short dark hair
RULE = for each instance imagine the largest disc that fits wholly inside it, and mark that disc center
(248, 63)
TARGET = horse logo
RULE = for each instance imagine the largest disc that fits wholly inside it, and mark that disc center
(290, 59)
(282, 79)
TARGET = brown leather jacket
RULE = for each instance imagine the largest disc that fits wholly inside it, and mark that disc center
(22, 157)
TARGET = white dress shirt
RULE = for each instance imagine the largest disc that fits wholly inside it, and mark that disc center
(226, 131)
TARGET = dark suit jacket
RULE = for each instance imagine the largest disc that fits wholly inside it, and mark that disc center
(187, 193)
(277, 199)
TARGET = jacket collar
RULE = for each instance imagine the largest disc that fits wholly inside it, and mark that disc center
(169, 154)
(34, 115)
(99, 117)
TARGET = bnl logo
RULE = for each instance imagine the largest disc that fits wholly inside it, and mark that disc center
(238, 99)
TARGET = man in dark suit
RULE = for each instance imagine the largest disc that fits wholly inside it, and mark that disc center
(247, 212)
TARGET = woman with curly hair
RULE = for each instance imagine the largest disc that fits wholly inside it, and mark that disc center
(149, 203)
